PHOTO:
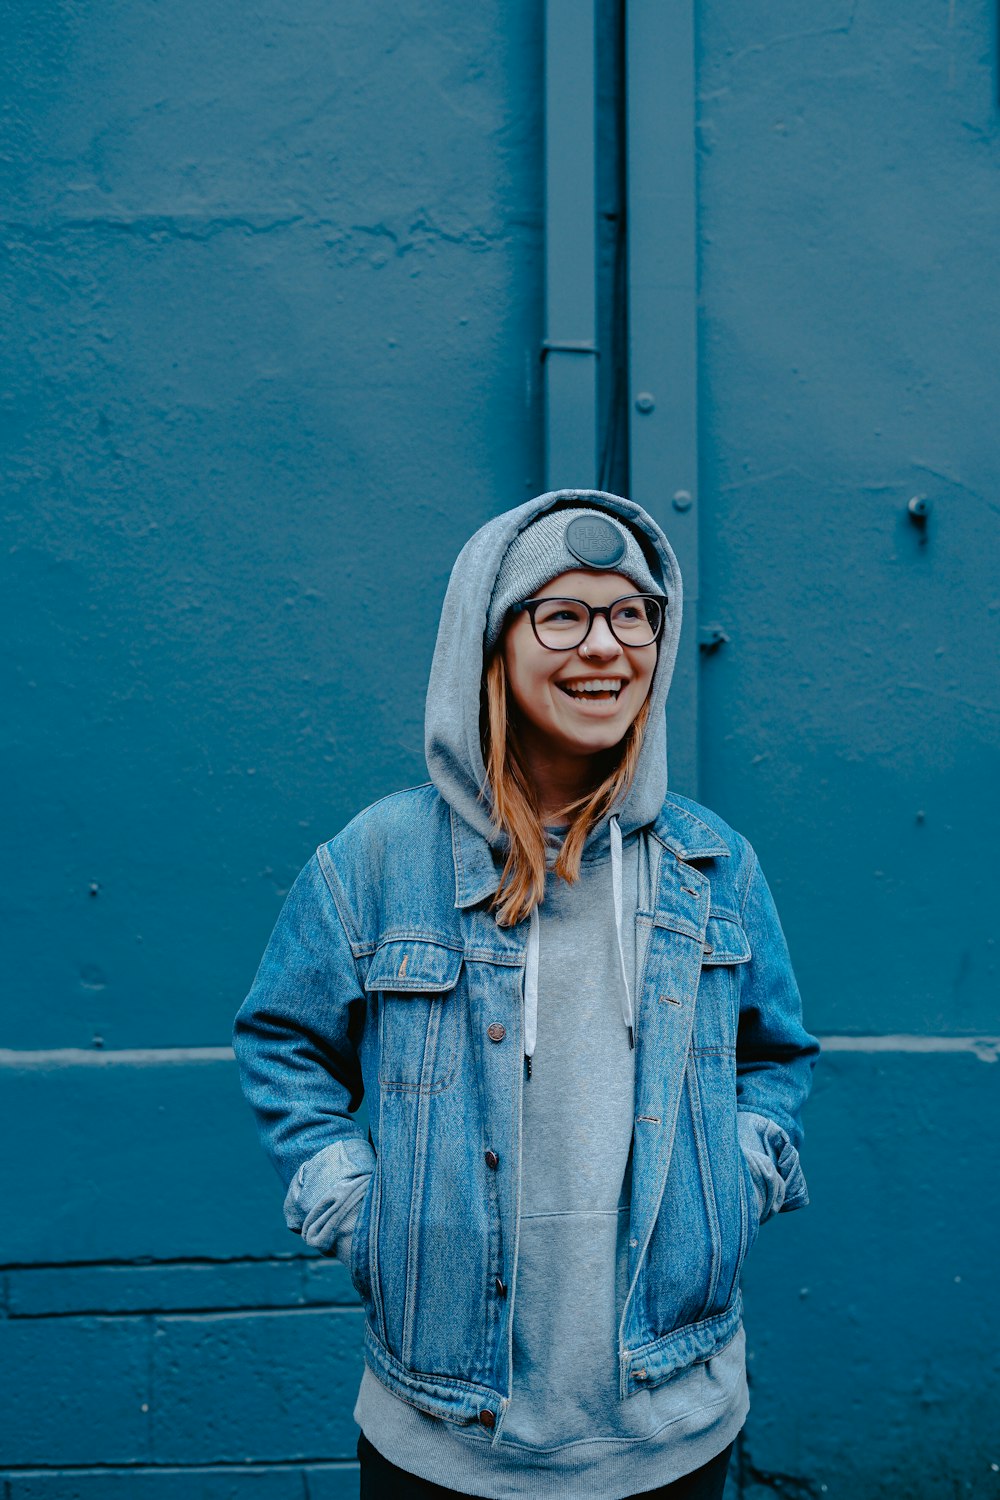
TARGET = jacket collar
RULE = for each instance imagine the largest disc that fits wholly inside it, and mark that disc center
(478, 869)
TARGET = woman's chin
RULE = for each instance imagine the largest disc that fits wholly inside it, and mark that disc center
(591, 739)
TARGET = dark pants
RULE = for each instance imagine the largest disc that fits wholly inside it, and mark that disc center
(381, 1480)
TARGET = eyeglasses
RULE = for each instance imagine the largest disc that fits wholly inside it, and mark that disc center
(564, 624)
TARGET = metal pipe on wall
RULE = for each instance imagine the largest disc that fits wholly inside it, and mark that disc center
(569, 350)
(663, 320)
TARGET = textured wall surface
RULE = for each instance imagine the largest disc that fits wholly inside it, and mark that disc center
(272, 284)
(849, 221)
(274, 313)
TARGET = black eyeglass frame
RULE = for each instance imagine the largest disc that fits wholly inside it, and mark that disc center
(531, 605)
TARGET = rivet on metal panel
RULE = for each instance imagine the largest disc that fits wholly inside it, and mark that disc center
(645, 403)
(682, 500)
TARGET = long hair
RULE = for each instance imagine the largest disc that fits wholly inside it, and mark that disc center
(515, 807)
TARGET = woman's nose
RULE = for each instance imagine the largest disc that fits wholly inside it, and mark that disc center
(599, 640)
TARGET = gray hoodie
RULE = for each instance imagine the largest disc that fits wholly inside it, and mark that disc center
(451, 722)
(567, 1432)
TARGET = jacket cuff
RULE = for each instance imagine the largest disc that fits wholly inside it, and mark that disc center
(774, 1164)
(345, 1235)
(324, 1196)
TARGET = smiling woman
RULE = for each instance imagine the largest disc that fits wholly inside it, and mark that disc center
(567, 996)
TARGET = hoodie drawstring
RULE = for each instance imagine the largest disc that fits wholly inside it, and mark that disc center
(531, 957)
(616, 886)
(531, 989)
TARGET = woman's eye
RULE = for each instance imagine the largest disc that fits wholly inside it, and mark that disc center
(559, 616)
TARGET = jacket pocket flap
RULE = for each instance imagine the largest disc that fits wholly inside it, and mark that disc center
(412, 966)
(726, 940)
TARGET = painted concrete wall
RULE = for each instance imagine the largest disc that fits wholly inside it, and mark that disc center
(273, 305)
(849, 224)
(273, 288)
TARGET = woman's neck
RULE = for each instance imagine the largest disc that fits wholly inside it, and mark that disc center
(558, 778)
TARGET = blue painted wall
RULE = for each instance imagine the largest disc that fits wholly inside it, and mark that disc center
(273, 300)
(849, 302)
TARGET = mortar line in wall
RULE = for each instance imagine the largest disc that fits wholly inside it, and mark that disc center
(149, 1263)
(238, 1466)
(189, 1313)
(150, 1412)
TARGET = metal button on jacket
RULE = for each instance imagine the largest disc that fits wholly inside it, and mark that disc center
(492, 1160)
(487, 1419)
(496, 1032)
(501, 1289)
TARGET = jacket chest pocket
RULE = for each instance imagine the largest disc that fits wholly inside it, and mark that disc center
(419, 1024)
(726, 947)
(725, 941)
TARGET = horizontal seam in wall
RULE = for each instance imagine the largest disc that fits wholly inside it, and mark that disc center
(136, 1057)
(987, 1047)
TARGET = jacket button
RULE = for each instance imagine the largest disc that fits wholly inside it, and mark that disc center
(501, 1289)
(492, 1160)
(487, 1419)
(496, 1032)
(707, 948)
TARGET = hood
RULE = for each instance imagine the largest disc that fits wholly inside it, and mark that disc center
(451, 722)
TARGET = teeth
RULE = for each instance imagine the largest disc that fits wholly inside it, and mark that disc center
(595, 685)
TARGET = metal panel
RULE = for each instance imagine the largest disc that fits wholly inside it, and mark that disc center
(663, 354)
(847, 199)
(570, 347)
(265, 371)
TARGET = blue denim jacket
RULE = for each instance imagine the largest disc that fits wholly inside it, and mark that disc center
(388, 976)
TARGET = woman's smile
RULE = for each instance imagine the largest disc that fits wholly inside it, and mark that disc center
(590, 690)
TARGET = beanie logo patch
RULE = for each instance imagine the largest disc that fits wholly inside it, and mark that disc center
(594, 541)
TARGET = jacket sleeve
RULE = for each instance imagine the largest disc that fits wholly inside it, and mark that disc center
(295, 1039)
(775, 1056)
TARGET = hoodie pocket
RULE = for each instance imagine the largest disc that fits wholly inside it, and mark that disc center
(419, 1024)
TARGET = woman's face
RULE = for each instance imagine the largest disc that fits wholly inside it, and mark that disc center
(546, 685)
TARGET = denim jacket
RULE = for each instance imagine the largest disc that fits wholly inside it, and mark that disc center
(387, 976)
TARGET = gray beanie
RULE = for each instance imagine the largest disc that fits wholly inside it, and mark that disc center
(557, 542)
